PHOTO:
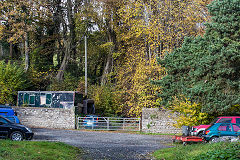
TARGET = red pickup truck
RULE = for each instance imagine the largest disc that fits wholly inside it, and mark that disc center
(199, 130)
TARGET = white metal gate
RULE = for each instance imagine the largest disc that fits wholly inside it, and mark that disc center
(108, 123)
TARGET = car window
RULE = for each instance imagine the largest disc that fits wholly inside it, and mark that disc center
(3, 120)
(225, 120)
(238, 120)
(236, 128)
(225, 127)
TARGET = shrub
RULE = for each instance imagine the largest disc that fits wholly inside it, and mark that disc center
(12, 80)
(189, 113)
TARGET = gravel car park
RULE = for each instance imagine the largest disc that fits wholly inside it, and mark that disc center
(99, 145)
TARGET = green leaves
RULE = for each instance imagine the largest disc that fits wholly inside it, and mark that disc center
(206, 69)
(12, 79)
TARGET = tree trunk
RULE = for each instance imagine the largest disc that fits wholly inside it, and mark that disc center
(109, 62)
(26, 53)
(60, 74)
(10, 50)
(71, 26)
(1, 50)
(68, 38)
(107, 69)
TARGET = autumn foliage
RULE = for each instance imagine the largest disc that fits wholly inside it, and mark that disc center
(150, 29)
(198, 61)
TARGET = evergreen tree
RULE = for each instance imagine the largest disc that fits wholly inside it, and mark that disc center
(206, 69)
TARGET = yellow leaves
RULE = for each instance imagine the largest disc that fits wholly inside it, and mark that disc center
(149, 29)
(190, 113)
(167, 23)
(107, 45)
(1, 31)
(133, 80)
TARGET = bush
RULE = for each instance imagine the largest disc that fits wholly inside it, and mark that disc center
(189, 113)
(12, 80)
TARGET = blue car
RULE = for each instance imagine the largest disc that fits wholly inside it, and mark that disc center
(90, 121)
(220, 130)
(7, 112)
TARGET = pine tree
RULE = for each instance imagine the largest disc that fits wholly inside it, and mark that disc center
(206, 69)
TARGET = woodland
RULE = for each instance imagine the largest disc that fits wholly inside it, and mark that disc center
(182, 55)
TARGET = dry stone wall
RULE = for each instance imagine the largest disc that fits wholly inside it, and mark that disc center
(58, 118)
(158, 121)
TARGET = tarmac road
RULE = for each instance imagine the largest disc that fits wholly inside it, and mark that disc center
(99, 145)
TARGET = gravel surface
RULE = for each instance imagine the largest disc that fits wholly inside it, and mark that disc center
(99, 145)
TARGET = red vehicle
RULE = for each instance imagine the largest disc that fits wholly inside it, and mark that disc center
(187, 139)
(199, 130)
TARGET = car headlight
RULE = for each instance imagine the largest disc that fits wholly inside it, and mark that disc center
(28, 129)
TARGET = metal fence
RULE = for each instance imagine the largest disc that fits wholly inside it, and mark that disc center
(108, 123)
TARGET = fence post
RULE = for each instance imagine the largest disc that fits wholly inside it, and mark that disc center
(108, 123)
(139, 122)
(77, 119)
(123, 123)
(92, 122)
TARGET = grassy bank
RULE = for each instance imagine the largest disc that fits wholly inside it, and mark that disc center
(200, 152)
(10, 150)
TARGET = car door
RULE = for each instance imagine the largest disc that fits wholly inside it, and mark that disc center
(236, 129)
(225, 130)
(4, 127)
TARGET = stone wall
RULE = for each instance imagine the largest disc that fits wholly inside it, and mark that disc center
(46, 117)
(158, 121)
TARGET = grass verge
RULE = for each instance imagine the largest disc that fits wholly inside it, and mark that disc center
(200, 152)
(11, 150)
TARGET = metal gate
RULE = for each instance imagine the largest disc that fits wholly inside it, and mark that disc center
(108, 123)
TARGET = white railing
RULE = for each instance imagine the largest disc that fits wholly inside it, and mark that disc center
(108, 123)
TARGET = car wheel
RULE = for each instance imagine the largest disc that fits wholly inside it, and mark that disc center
(16, 136)
(214, 139)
